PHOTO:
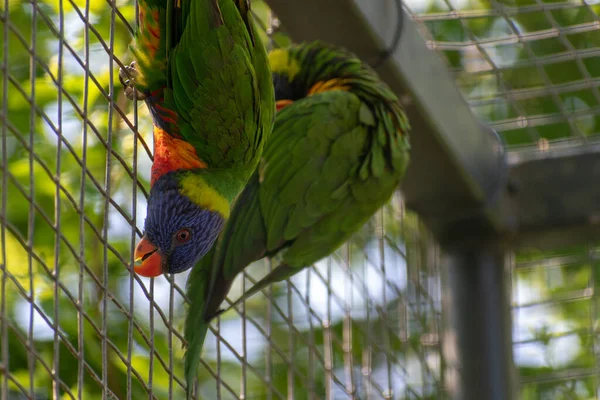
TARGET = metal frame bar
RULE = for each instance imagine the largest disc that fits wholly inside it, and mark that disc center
(558, 198)
(477, 322)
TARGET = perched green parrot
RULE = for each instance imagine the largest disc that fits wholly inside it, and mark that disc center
(205, 77)
(338, 151)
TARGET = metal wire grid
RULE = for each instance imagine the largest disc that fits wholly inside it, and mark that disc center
(354, 326)
(529, 68)
(75, 324)
(556, 323)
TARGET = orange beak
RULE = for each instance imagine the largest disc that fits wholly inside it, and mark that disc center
(151, 259)
(283, 103)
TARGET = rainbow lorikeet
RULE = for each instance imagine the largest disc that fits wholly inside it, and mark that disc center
(205, 77)
(338, 151)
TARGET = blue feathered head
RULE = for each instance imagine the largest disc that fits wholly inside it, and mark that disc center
(177, 231)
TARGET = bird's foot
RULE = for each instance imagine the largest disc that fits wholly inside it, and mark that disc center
(127, 77)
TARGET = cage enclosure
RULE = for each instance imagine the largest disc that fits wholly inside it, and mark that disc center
(476, 281)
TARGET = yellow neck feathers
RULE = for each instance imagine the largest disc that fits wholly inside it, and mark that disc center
(281, 63)
(198, 191)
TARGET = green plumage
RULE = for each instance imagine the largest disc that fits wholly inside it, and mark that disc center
(206, 80)
(334, 158)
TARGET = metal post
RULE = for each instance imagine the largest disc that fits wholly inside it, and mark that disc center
(477, 322)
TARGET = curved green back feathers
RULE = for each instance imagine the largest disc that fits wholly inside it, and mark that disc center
(336, 155)
(207, 81)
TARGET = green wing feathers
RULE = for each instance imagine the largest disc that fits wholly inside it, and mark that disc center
(196, 324)
(161, 25)
(316, 148)
(312, 197)
(221, 87)
(198, 59)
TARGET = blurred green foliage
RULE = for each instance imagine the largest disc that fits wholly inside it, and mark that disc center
(527, 69)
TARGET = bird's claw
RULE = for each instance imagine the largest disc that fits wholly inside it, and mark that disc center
(127, 77)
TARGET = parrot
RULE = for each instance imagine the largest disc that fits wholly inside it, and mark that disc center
(337, 153)
(204, 75)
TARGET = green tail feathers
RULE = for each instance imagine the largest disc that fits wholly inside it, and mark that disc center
(196, 325)
(210, 280)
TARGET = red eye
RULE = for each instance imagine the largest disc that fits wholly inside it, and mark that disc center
(183, 235)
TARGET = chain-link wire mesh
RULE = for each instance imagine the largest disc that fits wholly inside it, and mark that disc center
(75, 323)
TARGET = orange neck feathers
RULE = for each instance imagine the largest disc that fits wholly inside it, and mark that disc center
(283, 103)
(171, 154)
(319, 87)
(331, 84)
